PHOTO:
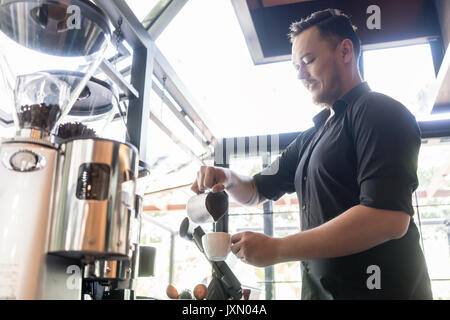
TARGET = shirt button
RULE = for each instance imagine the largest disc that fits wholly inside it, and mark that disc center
(304, 178)
(304, 207)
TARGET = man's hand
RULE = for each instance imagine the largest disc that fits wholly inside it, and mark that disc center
(255, 248)
(242, 188)
(214, 178)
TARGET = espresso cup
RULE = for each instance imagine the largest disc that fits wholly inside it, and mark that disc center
(216, 245)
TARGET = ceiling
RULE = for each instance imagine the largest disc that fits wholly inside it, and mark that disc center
(265, 25)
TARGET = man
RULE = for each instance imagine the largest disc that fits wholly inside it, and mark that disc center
(354, 173)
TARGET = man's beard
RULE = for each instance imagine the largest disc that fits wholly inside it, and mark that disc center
(327, 96)
(322, 99)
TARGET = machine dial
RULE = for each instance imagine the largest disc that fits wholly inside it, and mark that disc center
(24, 160)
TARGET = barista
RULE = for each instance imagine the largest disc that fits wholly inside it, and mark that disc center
(354, 173)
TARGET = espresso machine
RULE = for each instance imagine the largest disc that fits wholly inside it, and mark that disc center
(70, 209)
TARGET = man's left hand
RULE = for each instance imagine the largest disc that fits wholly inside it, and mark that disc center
(255, 248)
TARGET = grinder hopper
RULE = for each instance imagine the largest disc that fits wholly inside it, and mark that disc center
(43, 35)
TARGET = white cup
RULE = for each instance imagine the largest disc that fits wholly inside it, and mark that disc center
(216, 245)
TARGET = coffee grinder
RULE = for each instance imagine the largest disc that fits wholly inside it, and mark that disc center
(37, 37)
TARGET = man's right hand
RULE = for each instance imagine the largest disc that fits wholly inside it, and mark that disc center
(209, 177)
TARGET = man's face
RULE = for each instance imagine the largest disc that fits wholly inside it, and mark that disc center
(316, 63)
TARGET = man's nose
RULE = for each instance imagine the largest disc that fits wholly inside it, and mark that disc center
(302, 73)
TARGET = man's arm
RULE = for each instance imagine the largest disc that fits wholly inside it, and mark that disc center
(242, 188)
(358, 229)
(271, 183)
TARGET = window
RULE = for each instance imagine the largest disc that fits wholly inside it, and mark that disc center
(432, 207)
(141, 8)
(237, 98)
(403, 73)
(407, 74)
(286, 281)
(189, 266)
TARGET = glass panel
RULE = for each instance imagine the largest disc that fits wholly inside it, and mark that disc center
(286, 216)
(288, 290)
(155, 287)
(141, 8)
(286, 222)
(441, 289)
(248, 275)
(236, 98)
(161, 147)
(190, 266)
(433, 204)
(403, 73)
(168, 118)
(436, 243)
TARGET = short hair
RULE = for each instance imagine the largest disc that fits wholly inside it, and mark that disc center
(332, 24)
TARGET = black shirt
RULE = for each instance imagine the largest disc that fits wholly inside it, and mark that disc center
(366, 154)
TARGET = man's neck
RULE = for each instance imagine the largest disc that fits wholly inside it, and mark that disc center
(349, 85)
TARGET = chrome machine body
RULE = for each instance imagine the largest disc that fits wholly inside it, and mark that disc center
(96, 219)
(95, 207)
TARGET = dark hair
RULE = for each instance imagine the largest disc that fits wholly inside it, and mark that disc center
(332, 24)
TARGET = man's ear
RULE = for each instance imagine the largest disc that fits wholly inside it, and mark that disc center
(346, 50)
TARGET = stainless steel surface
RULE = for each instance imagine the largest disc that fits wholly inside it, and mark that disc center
(207, 207)
(95, 206)
(187, 229)
(49, 26)
(119, 79)
(108, 270)
(196, 209)
(62, 280)
(157, 20)
(133, 30)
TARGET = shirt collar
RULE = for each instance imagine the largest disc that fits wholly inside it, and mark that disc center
(351, 96)
(321, 117)
(340, 104)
